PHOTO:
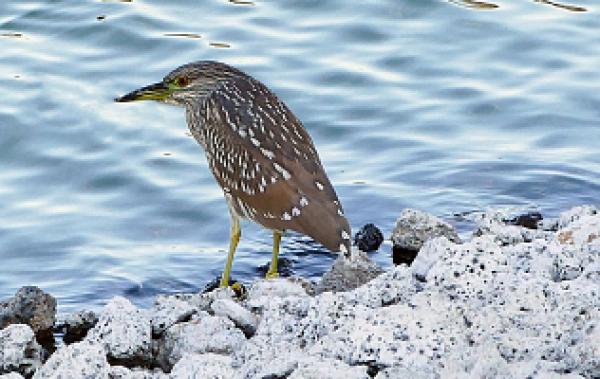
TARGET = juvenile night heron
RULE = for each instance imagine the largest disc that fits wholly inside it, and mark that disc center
(258, 151)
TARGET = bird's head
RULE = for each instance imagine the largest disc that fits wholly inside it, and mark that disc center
(186, 84)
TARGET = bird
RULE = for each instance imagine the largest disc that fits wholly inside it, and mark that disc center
(260, 154)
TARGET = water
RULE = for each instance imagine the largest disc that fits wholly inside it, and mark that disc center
(442, 106)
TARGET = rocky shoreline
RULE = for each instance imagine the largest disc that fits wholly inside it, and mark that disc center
(519, 299)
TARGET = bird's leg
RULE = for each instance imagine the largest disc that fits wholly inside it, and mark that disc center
(234, 238)
(272, 273)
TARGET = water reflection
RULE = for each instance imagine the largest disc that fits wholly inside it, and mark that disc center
(185, 35)
(474, 4)
(572, 8)
(242, 2)
(221, 45)
(486, 5)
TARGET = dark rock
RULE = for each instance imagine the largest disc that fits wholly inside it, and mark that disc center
(33, 307)
(530, 220)
(75, 326)
(284, 267)
(403, 256)
(368, 238)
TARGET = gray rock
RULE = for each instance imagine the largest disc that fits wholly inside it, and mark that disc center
(414, 227)
(349, 273)
(78, 360)
(125, 333)
(19, 350)
(241, 317)
(169, 310)
(205, 334)
(206, 366)
(30, 306)
(75, 326)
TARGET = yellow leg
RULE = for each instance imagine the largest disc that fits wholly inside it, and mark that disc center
(272, 273)
(234, 238)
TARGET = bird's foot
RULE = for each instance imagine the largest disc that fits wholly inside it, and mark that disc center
(272, 275)
(236, 287)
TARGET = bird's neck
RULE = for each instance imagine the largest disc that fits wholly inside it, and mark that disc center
(195, 116)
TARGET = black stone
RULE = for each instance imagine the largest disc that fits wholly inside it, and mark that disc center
(401, 255)
(368, 238)
(528, 220)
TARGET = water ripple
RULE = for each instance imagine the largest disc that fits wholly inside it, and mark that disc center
(445, 106)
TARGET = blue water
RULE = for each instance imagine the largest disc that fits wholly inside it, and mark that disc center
(444, 106)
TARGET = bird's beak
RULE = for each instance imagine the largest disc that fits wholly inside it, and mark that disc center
(157, 91)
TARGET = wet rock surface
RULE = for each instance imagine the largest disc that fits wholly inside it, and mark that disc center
(510, 302)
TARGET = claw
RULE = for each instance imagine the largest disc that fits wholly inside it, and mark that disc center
(239, 290)
(272, 275)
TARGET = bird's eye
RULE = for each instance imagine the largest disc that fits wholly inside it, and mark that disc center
(182, 81)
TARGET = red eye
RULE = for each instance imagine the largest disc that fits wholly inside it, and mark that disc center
(182, 81)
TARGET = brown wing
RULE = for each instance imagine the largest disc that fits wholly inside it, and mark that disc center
(266, 162)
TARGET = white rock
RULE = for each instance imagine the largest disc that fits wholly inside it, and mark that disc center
(78, 360)
(397, 372)
(19, 350)
(430, 253)
(313, 368)
(120, 372)
(241, 317)
(263, 291)
(125, 333)
(11, 375)
(584, 230)
(493, 222)
(207, 334)
(205, 366)
(576, 213)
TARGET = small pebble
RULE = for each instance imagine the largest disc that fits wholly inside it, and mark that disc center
(368, 238)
